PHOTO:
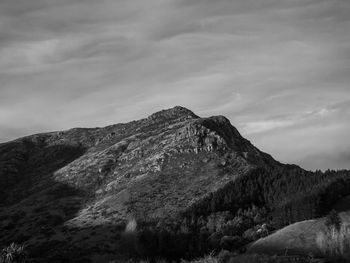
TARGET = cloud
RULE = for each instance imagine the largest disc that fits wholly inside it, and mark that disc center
(264, 126)
(316, 140)
(278, 69)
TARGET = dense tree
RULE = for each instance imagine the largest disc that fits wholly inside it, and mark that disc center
(248, 208)
(333, 220)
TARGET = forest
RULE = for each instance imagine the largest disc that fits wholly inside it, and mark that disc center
(249, 208)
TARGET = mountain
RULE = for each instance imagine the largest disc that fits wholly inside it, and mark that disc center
(76, 194)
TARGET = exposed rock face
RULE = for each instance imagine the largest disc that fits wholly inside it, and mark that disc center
(53, 184)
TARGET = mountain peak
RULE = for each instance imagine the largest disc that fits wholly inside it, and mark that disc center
(173, 113)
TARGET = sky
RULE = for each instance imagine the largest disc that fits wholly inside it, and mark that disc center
(278, 69)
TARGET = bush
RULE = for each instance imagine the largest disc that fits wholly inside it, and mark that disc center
(128, 244)
(250, 234)
(14, 253)
(232, 243)
(333, 220)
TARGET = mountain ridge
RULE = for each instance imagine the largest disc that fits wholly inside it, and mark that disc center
(66, 188)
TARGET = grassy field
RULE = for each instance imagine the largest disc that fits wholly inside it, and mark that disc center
(303, 238)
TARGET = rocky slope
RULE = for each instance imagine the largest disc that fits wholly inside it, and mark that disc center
(78, 189)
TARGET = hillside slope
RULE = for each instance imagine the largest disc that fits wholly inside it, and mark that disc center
(172, 184)
(77, 189)
(298, 238)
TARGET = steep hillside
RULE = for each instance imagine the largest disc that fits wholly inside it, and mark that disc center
(172, 184)
(57, 186)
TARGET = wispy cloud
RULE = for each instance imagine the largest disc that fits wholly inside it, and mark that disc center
(264, 126)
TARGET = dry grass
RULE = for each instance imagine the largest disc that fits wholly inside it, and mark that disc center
(246, 258)
(295, 239)
(140, 261)
(262, 259)
(207, 259)
(311, 236)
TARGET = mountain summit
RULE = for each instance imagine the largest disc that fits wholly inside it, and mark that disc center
(80, 188)
(175, 112)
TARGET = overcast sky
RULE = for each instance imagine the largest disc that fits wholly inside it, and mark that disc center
(278, 69)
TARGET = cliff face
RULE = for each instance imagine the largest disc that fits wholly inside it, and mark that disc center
(155, 168)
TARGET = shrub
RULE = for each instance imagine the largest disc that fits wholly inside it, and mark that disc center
(128, 243)
(333, 220)
(231, 243)
(250, 234)
(14, 253)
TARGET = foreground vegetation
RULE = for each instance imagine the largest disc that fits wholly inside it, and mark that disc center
(226, 257)
(230, 218)
(14, 253)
